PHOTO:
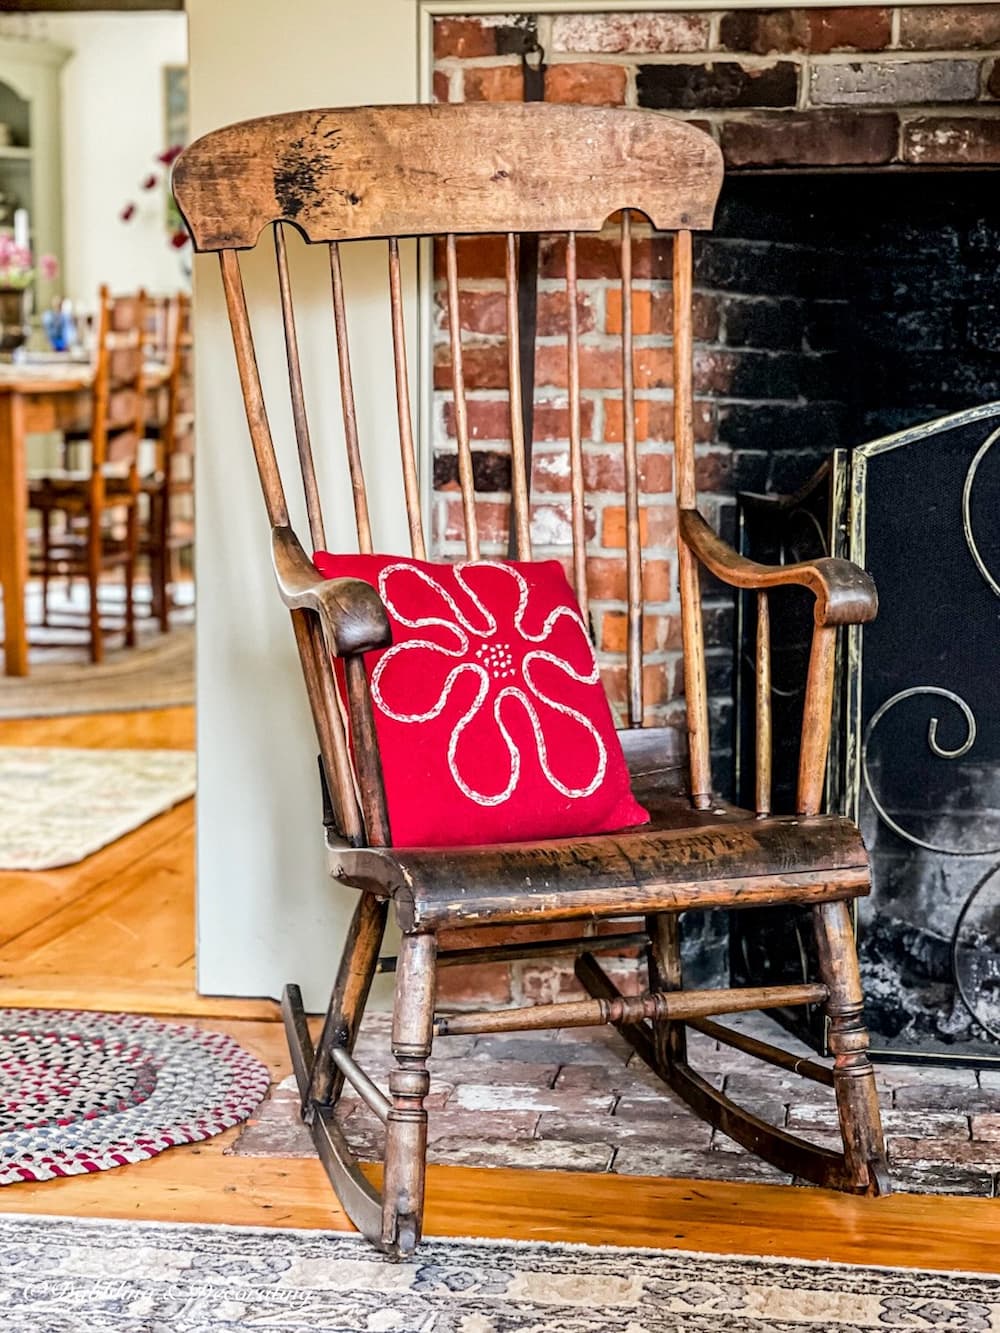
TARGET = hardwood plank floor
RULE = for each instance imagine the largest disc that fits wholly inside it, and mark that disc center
(117, 932)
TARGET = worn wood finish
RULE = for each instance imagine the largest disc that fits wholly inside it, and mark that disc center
(406, 1128)
(372, 1095)
(367, 762)
(577, 489)
(695, 675)
(663, 961)
(762, 706)
(314, 507)
(817, 715)
(718, 862)
(411, 484)
(484, 953)
(845, 594)
(465, 477)
(515, 171)
(350, 611)
(347, 1003)
(763, 1050)
(657, 1007)
(361, 1201)
(520, 482)
(633, 551)
(853, 1075)
(314, 656)
(347, 405)
(350, 173)
(786, 1151)
(253, 394)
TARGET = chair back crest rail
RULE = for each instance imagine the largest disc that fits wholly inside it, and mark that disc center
(392, 173)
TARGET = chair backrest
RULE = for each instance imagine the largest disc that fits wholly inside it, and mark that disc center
(446, 171)
(178, 432)
(119, 396)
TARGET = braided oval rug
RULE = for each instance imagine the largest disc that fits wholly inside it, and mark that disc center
(86, 1092)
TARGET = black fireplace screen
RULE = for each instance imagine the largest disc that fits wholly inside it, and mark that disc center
(918, 764)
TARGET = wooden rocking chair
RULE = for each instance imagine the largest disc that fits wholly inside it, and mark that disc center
(417, 171)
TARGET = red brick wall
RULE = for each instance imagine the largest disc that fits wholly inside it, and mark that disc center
(850, 87)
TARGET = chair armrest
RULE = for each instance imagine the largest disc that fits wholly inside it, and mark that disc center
(351, 611)
(845, 594)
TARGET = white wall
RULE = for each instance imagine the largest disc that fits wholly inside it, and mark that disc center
(113, 126)
(267, 912)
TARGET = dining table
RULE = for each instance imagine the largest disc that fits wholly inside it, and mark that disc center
(38, 397)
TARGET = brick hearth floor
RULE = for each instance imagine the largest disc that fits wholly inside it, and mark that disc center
(575, 1101)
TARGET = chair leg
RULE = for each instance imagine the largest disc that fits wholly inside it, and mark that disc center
(131, 559)
(347, 1000)
(46, 548)
(163, 570)
(664, 963)
(406, 1128)
(93, 585)
(853, 1075)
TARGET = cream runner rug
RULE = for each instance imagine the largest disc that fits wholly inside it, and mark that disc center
(59, 805)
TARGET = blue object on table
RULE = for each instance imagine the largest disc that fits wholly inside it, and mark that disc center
(60, 327)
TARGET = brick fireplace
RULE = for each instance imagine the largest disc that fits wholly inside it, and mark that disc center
(849, 288)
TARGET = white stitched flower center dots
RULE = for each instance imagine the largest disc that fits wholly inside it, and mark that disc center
(497, 659)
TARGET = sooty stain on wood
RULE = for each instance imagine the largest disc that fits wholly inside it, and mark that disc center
(299, 172)
(295, 179)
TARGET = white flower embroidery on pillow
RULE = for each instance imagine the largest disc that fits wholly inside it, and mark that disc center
(502, 662)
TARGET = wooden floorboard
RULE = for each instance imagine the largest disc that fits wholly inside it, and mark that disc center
(116, 932)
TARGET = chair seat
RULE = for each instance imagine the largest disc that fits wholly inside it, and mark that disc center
(683, 858)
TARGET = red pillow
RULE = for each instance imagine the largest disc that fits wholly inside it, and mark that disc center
(491, 717)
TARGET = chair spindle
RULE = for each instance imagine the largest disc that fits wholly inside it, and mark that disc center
(465, 475)
(695, 680)
(411, 484)
(816, 719)
(314, 509)
(330, 731)
(520, 482)
(253, 395)
(347, 404)
(575, 445)
(633, 551)
(763, 706)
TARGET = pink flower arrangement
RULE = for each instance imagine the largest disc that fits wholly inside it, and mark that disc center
(17, 266)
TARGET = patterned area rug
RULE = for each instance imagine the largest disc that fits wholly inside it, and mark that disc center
(158, 673)
(86, 1092)
(59, 805)
(119, 1277)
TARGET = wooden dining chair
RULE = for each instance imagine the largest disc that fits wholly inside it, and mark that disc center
(345, 175)
(98, 502)
(169, 488)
